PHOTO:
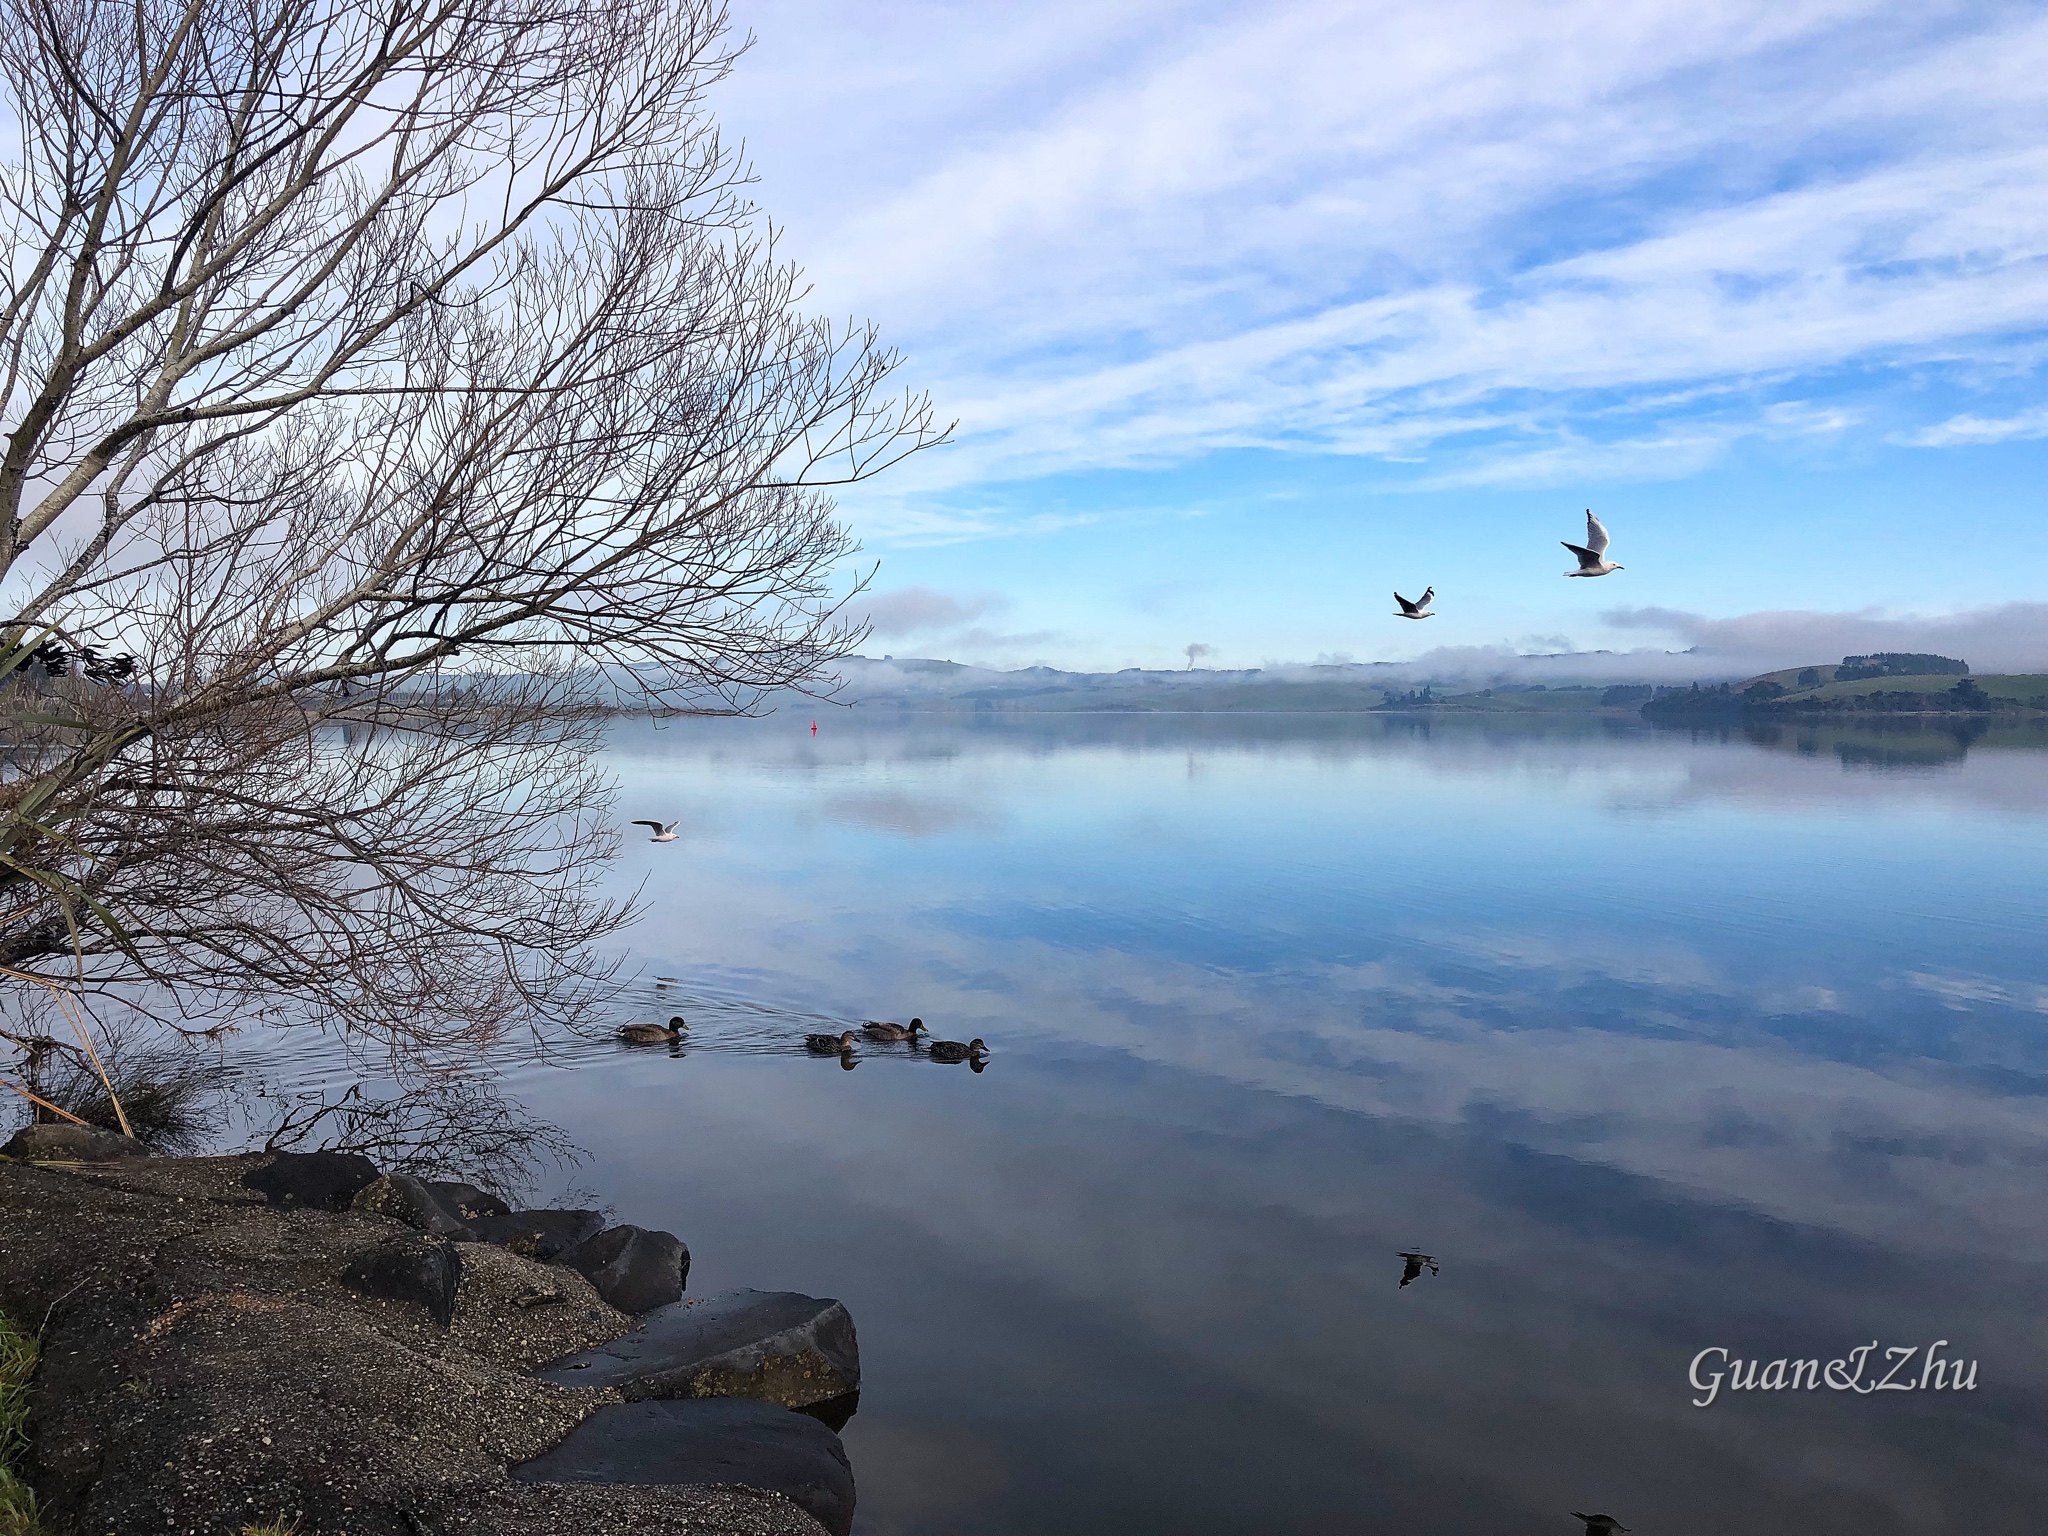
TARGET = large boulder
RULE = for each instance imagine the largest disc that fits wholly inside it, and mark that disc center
(466, 1200)
(634, 1269)
(409, 1266)
(542, 1235)
(779, 1346)
(405, 1198)
(71, 1144)
(323, 1181)
(716, 1440)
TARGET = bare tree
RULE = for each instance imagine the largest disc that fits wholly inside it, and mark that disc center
(387, 387)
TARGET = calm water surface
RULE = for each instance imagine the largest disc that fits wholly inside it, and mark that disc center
(1656, 1042)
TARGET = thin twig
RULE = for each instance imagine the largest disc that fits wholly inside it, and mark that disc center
(85, 1038)
(44, 1103)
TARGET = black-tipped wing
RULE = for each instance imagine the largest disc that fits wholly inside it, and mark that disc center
(1414, 610)
(657, 826)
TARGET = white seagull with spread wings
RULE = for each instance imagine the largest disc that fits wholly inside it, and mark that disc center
(662, 833)
(1419, 609)
(1593, 559)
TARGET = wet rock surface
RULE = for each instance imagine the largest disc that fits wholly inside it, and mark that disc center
(405, 1198)
(409, 1266)
(466, 1200)
(72, 1143)
(205, 1367)
(708, 1441)
(634, 1269)
(779, 1346)
(325, 1181)
(543, 1235)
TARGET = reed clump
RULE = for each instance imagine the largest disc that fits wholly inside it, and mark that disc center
(17, 1366)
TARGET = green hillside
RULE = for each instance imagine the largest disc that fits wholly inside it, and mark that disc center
(2021, 687)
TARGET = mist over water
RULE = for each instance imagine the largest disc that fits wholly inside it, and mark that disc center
(1656, 1041)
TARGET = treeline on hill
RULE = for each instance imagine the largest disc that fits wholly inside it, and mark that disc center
(1768, 698)
(1855, 669)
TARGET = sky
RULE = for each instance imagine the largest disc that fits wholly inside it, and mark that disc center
(1250, 314)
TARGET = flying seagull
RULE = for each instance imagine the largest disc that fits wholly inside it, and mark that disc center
(1593, 559)
(1419, 609)
(663, 833)
(1411, 1266)
(1599, 1525)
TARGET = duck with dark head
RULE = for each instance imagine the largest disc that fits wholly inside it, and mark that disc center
(876, 1029)
(654, 1034)
(953, 1050)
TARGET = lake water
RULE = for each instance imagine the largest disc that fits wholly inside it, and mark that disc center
(1656, 1042)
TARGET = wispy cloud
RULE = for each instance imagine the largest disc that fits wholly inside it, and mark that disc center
(2010, 637)
(920, 610)
(1516, 243)
(1978, 429)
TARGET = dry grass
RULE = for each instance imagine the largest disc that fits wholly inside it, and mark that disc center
(277, 1527)
(17, 1365)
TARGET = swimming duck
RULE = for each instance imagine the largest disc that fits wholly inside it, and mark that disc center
(875, 1029)
(654, 1034)
(829, 1045)
(953, 1050)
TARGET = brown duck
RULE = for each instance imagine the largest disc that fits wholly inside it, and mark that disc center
(654, 1034)
(876, 1029)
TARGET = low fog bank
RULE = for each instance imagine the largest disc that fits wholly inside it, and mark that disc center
(2012, 637)
(909, 682)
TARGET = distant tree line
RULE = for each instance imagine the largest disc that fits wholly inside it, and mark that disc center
(1766, 699)
(1856, 669)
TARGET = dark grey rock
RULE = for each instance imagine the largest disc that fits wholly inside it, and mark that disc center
(542, 1235)
(409, 1266)
(713, 1440)
(72, 1144)
(634, 1269)
(323, 1181)
(405, 1198)
(779, 1346)
(466, 1200)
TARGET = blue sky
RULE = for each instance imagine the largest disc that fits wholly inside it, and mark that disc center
(1252, 313)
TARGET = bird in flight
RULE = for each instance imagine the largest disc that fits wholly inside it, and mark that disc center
(663, 833)
(1411, 1266)
(1592, 554)
(1419, 609)
(1599, 1525)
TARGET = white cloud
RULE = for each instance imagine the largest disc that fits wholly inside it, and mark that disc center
(1976, 429)
(2010, 637)
(919, 610)
(1128, 235)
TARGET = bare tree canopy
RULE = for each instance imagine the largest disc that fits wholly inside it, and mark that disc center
(385, 385)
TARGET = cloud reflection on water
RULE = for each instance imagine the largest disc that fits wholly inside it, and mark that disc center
(1765, 1069)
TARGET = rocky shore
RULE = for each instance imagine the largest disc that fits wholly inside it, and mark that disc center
(262, 1340)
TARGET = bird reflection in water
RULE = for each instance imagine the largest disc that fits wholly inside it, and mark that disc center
(1599, 1525)
(1412, 1263)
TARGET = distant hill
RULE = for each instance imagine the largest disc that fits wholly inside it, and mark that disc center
(1890, 683)
(1346, 687)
